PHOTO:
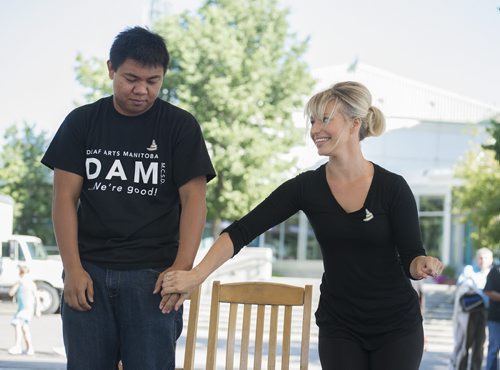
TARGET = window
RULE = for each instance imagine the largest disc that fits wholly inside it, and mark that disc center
(6, 249)
(20, 254)
(37, 251)
(313, 249)
(432, 235)
(431, 212)
(431, 203)
(10, 248)
(283, 238)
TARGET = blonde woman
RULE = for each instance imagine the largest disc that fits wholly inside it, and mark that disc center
(366, 222)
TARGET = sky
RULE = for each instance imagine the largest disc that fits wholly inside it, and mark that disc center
(450, 44)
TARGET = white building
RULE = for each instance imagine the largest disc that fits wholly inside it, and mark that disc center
(428, 132)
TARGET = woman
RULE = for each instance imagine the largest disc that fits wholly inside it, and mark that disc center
(366, 222)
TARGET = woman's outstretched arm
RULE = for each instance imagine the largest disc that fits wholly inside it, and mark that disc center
(184, 282)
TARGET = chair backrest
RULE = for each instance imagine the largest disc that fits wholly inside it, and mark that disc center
(192, 326)
(260, 294)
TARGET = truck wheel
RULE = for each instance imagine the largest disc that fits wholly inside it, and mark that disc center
(49, 298)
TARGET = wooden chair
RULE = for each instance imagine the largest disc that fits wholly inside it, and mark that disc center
(261, 294)
(192, 327)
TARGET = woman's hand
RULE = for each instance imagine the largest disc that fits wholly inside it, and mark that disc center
(178, 282)
(425, 266)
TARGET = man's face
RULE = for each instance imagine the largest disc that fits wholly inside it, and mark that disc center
(484, 261)
(135, 86)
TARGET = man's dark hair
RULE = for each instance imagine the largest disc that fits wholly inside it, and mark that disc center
(141, 45)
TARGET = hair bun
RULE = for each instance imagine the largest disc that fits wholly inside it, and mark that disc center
(375, 121)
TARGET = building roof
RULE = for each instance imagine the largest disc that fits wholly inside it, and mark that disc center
(400, 97)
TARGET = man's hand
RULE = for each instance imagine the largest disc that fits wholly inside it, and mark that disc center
(425, 266)
(78, 289)
(168, 301)
(176, 286)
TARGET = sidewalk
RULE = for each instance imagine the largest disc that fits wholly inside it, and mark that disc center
(47, 334)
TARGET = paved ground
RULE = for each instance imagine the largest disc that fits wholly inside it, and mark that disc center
(47, 335)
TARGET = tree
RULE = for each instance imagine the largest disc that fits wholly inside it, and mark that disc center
(478, 199)
(494, 130)
(238, 69)
(93, 74)
(27, 181)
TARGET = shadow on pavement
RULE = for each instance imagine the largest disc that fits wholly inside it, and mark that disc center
(435, 361)
(38, 365)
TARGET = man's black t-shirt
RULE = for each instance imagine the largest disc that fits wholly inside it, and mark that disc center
(132, 168)
(493, 284)
(365, 290)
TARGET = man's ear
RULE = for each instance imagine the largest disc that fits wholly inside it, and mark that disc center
(111, 72)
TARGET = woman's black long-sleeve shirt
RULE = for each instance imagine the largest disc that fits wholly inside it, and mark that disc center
(365, 291)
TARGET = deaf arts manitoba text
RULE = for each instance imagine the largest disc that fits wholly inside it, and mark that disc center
(143, 170)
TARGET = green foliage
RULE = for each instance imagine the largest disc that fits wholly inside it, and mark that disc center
(494, 130)
(239, 70)
(92, 73)
(27, 181)
(478, 199)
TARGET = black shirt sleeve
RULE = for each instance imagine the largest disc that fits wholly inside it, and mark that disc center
(190, 156)
(493, 285)
(276, 208)
(405, 224)
(493, 280)
(67, 149)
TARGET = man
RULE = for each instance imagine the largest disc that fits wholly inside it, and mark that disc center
(492, 289)
(130, 174)
(470, 327)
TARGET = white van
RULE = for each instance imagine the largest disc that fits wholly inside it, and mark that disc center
(45, 270)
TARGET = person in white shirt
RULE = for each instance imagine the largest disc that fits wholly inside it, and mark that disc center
(470, 327)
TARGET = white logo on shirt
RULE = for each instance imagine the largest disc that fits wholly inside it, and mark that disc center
(153, 147)
(369, 215)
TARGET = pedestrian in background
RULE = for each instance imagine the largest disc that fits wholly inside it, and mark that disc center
(26, 295)
(492, 289)
(469, 327)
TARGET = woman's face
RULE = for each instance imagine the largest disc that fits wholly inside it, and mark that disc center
(328, 132)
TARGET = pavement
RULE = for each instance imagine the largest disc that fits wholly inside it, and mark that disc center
(47, 337)
(47, 334)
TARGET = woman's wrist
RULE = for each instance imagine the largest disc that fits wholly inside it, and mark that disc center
(413, 269)
(199, 275)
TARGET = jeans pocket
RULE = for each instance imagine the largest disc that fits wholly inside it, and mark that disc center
(156, 270)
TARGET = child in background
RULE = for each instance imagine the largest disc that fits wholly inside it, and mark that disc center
(26, 295)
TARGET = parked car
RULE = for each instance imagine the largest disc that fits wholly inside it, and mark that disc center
(45, 270)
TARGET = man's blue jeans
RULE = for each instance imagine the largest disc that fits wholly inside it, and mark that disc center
(125, 323)
(493, 345)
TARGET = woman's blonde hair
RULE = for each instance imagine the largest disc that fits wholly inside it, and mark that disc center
(355, 102)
